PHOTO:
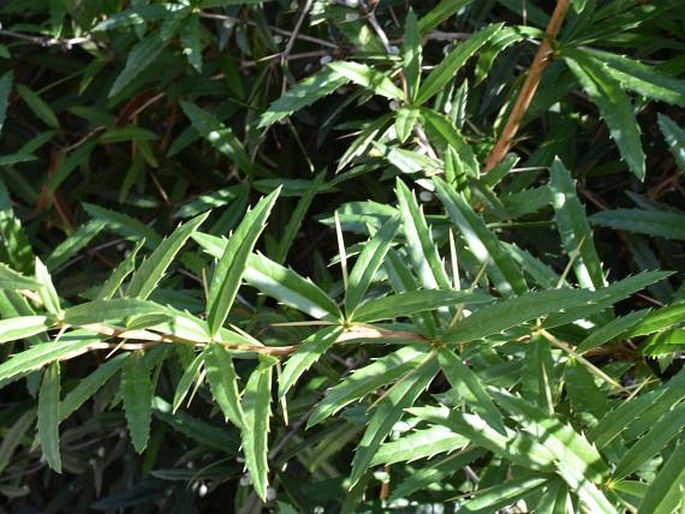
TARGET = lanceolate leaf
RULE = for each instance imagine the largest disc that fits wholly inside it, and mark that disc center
(459, 373)
(411, 50)
(440, 13)
(574, 228)
(483, 244)
(48, 416)
(654, 223)
(309, 351)
(230, 268)
(390, 410)
(449, 66)
(257, 407)
(369, 78)
(660, 319)
(190, 376)
(419, 444)
(152, 269)
(363, 381)
(5, 88)
(119, 274)
(124, 225)
(290, 289)
(99, 311)
(412, 302)
(47, 292)
(223, 382)
(369, 261)
(665, 493)
(611, 330)
(75, 242)
(675, 138)
(614, 105)
(137, 392)
(493, 498)
(23, 326)
(10, 279)
(141, 56)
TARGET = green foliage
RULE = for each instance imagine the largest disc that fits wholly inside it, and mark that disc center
(250, 251)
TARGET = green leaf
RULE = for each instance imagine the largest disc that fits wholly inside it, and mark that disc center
(369, 78)
(99, 311)
(406, 119)
(303, 94)
(420, 245)
(89, 385)
(459, 374)
(670, 225)
(21, 327)
(5, 89)
(614, 106)
(220, 136)
(454, 140)
(255, 433)
(39, 106)
(612, 330)
(147, 276)
(412, 302)
(119, 274)
(483, 244)
(136, 393)
(14, 435)
(674, 136)
(191, 375)
(10, 279)
(389, 411)
(126, 133)
(231, 266)
(515, 311)
(74, 243)
(418, 445)
(658, 436)
(411, 54)
(361, 382)
(141, 56)
(137, 15)
(368, 262)
(307, 353)
(440, 13)
(574, 229)
(450, 65)
(48, 417)
(493, 498)
(47, 293)
(191, 42)
(124, 225)
(223, 381)
(665, 493)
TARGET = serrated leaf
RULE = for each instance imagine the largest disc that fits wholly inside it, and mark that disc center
(411, 54)
(444, 129)
(75, 242)
(418, 445)
(307, 353)
(368, 262)
(369, 78)
(450, 65)
(119, 274)
(440, 13)
(136, 393)
(303, 94)
(21, 327)
(611, 331)
(412, 302)
(389, 411)
(223, 381)
(142, 55)
(665, 492)
(493, 498)
(666, 224)
(363, 381)
(39, 106)
(574, 228)
(124, 225)
(614, 106)
(483, 244)
(14, 435)
(5, 89)
(674, 136)
(150, 272)
(231, 266)
(190, 376)
(89, 385)
(99, 311)
(419, 241)
(10, 279)
(405, 121)
(257, 408)
(460, 374)
(219, 136)
(137, 15)
(515, 311)
(47, 293)
(48, 417)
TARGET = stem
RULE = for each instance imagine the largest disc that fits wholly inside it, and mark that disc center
(537, 68)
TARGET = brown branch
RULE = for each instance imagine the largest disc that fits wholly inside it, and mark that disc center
(537, 68)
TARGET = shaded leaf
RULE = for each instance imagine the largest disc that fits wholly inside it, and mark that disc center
(136, 393)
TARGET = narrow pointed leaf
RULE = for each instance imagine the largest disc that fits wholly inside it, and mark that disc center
(307, 353)
(230, 268)
(665, 493)
(612, 330)
(369, 261)
(483, 244)
(255, 434)
(675, 138)
(5, 88)
(99, 311)
(124, 225)
(389, 411)
(75, 242)
(440, 13)
(369, 78)
(48, 417)
(10, 279)
(23, 326)
(39, 106)
(418, 445)
(498, 496)
(145, 279)
(137, 392)
(119, 274)
(670, 225)
(223, 381)
(47, 292)
(142, 55)
(189, 377)
(411, 54)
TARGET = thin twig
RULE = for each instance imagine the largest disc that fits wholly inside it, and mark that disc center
(537, 68)
(46, 41)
